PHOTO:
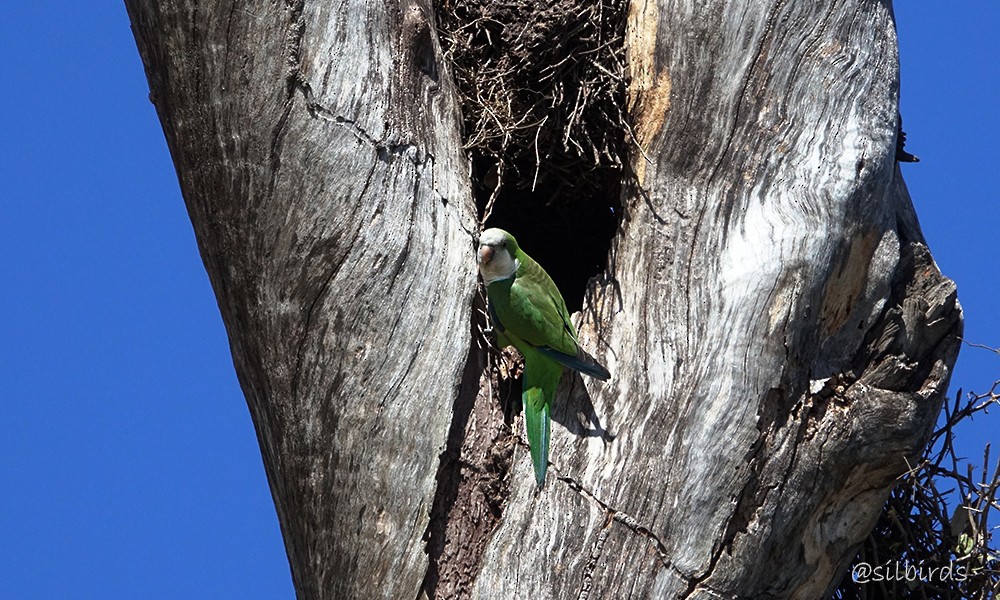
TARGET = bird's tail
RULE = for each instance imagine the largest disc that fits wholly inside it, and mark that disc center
(589, 365)
(537, 423)
(582, 362)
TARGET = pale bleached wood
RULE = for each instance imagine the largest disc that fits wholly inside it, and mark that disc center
(318, 150)
(779, 337)
(778, 333)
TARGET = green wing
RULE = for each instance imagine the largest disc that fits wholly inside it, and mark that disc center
(535, 310)
(528, 310)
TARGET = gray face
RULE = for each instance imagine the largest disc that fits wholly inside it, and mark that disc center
(495, 259)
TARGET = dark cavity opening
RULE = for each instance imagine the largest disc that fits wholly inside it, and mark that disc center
(542, 85)
(564, 226)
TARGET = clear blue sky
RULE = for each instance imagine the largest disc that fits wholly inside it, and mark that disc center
(129, 467)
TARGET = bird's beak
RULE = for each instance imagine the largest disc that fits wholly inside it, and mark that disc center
(485, 255)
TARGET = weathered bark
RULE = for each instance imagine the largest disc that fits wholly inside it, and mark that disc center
(779, 336)
(319, 154)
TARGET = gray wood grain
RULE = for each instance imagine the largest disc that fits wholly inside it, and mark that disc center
(779, 335)
(318, 151)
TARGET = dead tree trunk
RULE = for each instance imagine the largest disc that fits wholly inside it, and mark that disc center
(319, 155)
(779, 336)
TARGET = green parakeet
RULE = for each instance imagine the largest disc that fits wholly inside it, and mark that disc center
(529, 313)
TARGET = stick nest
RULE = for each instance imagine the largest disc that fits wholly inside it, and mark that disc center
(542, 86)
(938, 516)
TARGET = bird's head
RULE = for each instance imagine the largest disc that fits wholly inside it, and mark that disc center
(497, 255)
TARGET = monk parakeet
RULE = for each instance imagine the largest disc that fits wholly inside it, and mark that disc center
(529, 313)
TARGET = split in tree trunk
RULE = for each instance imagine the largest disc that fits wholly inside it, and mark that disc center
(779, 336)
